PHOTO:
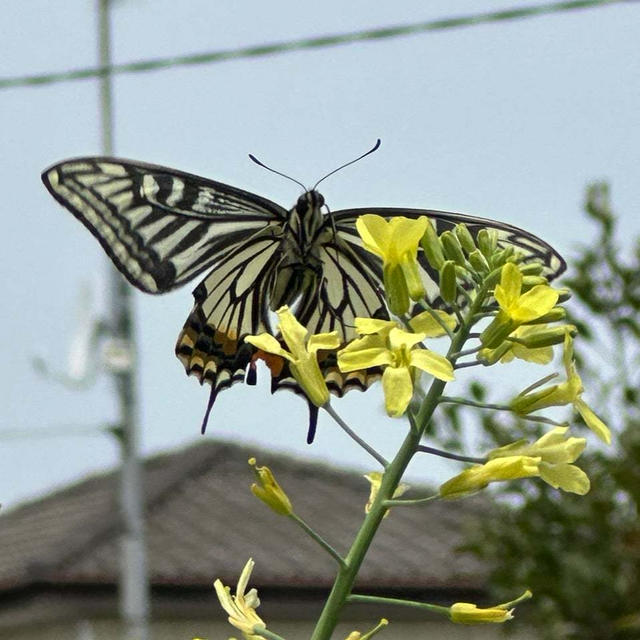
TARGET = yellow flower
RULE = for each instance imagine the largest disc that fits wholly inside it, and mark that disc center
(302, 357)
(568, 392)
(393, 349)
(549, 458)
(241, 607)
(557, 453)
(426, 323)
(467, 613)
(396, 242)
(367, 326)
(516, 308)
(480, 476)
(269, 491)
(375, 478)
(509, 350)
(552, 447)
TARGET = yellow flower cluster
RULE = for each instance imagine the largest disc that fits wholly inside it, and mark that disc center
(550, 458)
(522, 327)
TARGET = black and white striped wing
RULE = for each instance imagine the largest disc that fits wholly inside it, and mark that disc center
(231, 302)
(161, 227)
(349, 286)
(529, 245)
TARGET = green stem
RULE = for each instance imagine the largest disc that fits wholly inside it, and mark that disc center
(398, 502)
(319, 539)
(493, 407)
(354, 436)
(405, 603)
(347, 575)
(466, 365)
(467, 352)
(538, 383)
(265, 633)
(473, 403)
(451, 456)
(543, 420)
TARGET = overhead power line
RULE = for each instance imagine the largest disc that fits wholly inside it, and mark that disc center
(308, 43)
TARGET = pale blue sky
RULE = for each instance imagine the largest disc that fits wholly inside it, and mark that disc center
(509, 121)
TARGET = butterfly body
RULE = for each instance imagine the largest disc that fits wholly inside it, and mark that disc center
(300, 264)
(162, 227)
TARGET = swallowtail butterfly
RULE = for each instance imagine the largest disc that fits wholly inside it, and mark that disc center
(162, 227)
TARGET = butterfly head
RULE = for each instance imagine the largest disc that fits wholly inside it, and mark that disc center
(309, 201)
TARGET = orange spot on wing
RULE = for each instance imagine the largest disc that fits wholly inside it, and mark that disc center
(275, 363)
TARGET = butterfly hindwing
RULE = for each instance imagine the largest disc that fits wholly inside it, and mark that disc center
(348, 287)
(230, 303)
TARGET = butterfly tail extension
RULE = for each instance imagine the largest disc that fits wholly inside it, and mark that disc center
(212, 357)
(338, 384)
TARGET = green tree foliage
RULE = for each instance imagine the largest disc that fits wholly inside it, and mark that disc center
(581, 555)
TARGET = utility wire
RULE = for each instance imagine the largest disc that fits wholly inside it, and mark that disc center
(308, 43)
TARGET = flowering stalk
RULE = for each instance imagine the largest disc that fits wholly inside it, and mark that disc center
(391, 480)
(477, 279)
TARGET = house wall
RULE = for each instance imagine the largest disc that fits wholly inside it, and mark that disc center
(220, 630)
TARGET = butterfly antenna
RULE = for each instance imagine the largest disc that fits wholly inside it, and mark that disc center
(364, 155)
(284, 175)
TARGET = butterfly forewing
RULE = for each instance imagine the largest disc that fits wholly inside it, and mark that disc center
(161, 227)
(530, 246)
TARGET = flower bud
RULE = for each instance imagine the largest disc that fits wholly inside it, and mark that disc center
(487, 242)
(478, 261)
(468, 613)
(528, 282)
(479, 476)
(498, 331)
(465, 238)
(432, 247)
(490, 356)
(452, 248)
(501, 257)
(412, 277)
(395, 287)
(557, 314)
(448, 282)
(532, 268)
(269, 491)
(545, 337)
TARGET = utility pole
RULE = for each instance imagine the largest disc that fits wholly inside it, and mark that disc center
(134, 597)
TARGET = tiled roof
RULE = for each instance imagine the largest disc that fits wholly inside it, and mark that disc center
(203, 522)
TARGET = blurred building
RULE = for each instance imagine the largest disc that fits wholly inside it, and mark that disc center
(60, 555)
